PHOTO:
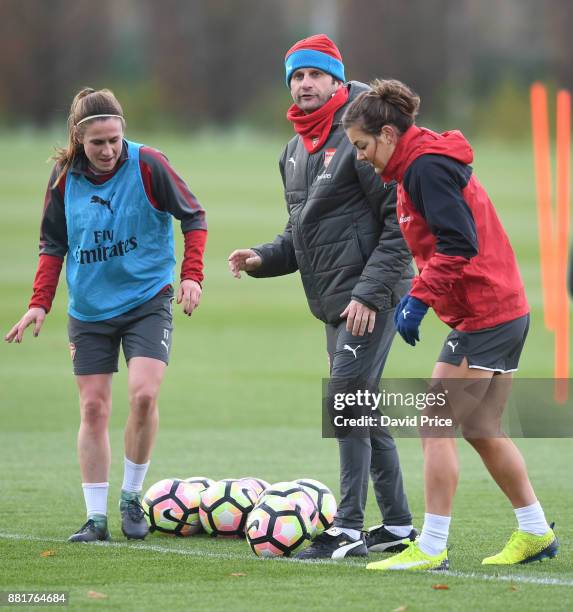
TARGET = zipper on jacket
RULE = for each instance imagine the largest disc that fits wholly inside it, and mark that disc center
(302, 242)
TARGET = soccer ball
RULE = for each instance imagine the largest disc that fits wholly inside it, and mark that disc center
(324, 500)
(172, 507)
(258, 485)
(277, 527)
(203, 481)
(299, 496)
(199, 483)
(225, 506)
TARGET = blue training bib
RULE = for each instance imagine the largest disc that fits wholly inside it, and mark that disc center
(121, 250)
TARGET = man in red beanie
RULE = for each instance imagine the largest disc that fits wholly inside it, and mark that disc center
(343, 236)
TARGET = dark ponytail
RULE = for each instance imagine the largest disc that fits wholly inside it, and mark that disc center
(389, 102)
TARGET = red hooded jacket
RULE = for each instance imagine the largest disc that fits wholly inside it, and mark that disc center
(467, 269)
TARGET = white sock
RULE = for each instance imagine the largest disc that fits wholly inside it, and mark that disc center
(531, 519)
(133, 475)
(400, 531)
(434, 538)
(351, 533)
(95, 495)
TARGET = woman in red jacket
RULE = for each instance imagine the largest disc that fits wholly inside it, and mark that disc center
(469, 276)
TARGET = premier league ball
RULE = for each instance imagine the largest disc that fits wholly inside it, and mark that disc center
(199, 482)
(258, 485)
(324, 500)
(172, 507)
(225, 506)
(298, 496)
(277, 527)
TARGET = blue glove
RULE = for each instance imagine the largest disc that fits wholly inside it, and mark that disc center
(400, 307)
(409, 315)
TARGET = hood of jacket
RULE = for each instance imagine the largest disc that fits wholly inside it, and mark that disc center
(418, 141)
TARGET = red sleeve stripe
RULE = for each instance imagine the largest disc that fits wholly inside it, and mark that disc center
(147, 183)
(192, 264)
(179, 183)
(61, 188)
(46, 281)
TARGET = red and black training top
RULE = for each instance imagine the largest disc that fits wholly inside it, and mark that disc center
(467, 269)
(166, 192)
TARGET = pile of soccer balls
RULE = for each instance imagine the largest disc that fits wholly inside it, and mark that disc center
(277, 520)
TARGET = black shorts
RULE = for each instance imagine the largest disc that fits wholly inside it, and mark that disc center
(496, 349)
(144, 331)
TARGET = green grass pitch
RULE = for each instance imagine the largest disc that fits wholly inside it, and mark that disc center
(242, 397)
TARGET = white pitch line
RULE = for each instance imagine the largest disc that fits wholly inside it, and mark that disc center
(517, 578)
(133, 546)
(509, 578)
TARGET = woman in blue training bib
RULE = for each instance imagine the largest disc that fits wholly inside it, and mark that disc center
(108, 212)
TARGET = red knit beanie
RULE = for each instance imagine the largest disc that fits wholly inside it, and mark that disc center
(316, 51)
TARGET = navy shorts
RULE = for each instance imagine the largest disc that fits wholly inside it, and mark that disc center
(496, 349)
(144, 331)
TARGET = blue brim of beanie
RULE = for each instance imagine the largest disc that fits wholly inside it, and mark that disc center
(308, 58)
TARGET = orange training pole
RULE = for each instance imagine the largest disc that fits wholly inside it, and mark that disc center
(562, 242)
(542, 161)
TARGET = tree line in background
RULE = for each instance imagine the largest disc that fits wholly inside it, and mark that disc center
(190, 63)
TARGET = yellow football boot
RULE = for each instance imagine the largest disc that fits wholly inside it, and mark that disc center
(524, 547)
